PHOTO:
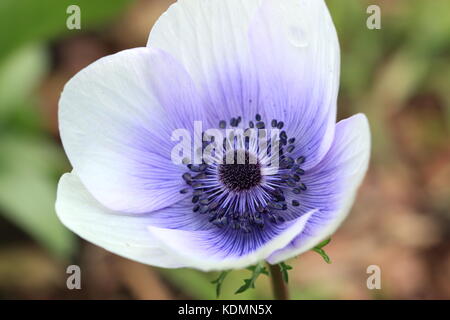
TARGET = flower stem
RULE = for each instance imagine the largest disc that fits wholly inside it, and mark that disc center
(280, 290)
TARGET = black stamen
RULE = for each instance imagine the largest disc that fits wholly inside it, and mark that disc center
(300, 160)
(200, 176)
(291, 183)
(240, 177)
(260, 125)
(187, 177)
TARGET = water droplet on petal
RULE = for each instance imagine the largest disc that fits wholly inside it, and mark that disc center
(297, 37)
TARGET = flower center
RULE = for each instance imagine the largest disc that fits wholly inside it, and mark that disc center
(242, 189)
(242, 174)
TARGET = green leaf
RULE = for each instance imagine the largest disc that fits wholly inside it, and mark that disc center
(28, 171)
(322, 252)
(284, 271)
(219, 282)
(250, 283)
(30, 21)
(323, 244)
(247, 285)
(197, 285)
(20, 75)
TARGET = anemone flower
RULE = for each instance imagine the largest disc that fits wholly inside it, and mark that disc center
(242, 64)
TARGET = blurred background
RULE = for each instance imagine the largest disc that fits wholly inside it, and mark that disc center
(399, 76)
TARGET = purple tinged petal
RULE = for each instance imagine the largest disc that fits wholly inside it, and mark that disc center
(116, 118)
(332, 185)
(210, 39)
(217, 249)
(296, 52)
(121, 234)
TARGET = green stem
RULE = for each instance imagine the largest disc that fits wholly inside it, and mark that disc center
(280, 290)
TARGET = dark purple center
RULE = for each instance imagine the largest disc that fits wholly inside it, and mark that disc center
(240, 175)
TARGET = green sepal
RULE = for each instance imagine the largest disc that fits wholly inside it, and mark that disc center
(322, 252)
(218, 282)
(250, 283)
(284, 271)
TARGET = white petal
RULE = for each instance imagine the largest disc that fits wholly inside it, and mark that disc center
(210, 38)
(339, 175)
(116, 118)
(124, 235)
(278, 58)
(296, 52)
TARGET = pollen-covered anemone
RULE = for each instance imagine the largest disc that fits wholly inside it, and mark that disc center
(267, 65)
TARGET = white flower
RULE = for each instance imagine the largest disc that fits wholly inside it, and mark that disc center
(233, 63)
